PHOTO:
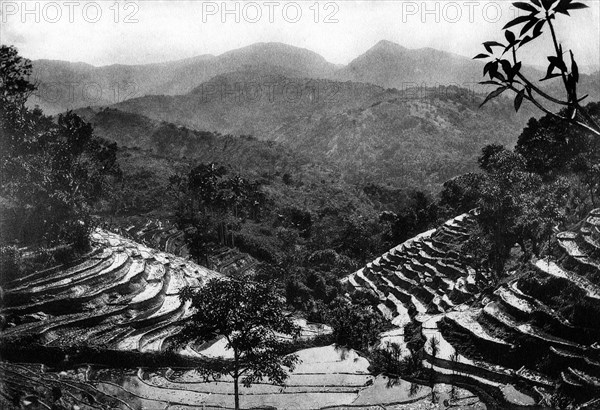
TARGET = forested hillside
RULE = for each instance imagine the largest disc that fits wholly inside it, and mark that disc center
(406, 138)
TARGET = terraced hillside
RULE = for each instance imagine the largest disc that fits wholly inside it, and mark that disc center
(122, 299)
(122, 295)
(534, 333)
(422, 276)
(166, 237)
(521, 340)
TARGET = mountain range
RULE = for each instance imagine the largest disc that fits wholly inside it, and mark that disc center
(412, 138)
(65, 85)
(409, 118)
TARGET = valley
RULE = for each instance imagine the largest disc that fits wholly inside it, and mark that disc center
(261, 228)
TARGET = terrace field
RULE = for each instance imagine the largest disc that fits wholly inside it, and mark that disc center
(532, 334)
(511, 345)
(122, 298)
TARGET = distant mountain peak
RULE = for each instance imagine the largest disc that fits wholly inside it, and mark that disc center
(271, 45)
(276, 48)
(388, 45)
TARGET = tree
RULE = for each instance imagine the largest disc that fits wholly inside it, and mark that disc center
(507, 75)
(501, 204)
(53, 173)
(298, 294)
(514, 206)
(355, 326)
(550, 145)
(454, 358)
(460, 194)
(417, 216)
(488, 160)
(389, 359)
(208, 193)
(178, 188)
(434, 346)
(299, 220)
(250, 315)
(201, 239)
(589, 172)
(356, 237)
(203, 182)
(16, 88)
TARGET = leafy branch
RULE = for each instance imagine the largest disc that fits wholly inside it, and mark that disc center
(505, 72)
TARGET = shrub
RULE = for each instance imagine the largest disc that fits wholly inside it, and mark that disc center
(390, 360)
(258, 247)
(325, 258)
(357, 327)
(11, 264)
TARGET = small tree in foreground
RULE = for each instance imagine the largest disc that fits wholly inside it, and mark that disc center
(434, 346)
(505, 72)
(250, 315)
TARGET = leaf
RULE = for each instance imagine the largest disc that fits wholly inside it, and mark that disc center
(487, 67)
(514, 71)
(518, 20)
(524, 41)
(493, 94)
(561, 7)
(499, 76)
(536, 2)
(583, 98)
(547, 4)
(510, 37)
(574, 68)
(558, 62)
(525, 6)
(528, 26)
(549, 73)
(489, 44)
(576, 6)
(517, 67)
(493, 69)
(506, 66)
(480, 56)
(550, 76)
(537, 30)
(519, 100)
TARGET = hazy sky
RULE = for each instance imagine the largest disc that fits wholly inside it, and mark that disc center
(132, 32)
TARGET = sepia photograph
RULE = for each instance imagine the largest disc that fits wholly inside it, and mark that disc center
(299, 205)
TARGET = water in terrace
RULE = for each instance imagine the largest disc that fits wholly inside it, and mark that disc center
(328, 376)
